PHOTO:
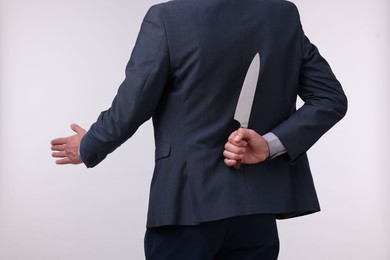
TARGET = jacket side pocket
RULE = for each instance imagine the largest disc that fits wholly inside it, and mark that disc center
(163, 150)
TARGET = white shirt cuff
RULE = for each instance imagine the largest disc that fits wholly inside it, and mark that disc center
(276, 147)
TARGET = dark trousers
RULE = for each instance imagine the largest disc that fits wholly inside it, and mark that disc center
(253, 237)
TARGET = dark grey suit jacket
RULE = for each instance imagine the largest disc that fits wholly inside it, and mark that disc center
(186, 72)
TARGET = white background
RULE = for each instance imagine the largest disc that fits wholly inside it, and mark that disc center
(62, 61)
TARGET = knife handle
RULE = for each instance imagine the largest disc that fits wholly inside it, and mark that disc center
(238, 165)
(239, 162)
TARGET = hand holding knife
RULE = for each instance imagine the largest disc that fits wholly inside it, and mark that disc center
(245, 101)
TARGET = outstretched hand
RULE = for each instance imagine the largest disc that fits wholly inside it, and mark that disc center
(66, 149)
(245, 146)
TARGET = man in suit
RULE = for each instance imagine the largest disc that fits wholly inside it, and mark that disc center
(186, 72)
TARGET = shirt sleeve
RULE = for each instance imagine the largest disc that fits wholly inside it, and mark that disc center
(276, 147)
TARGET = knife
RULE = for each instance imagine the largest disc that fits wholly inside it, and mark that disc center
(245, 101)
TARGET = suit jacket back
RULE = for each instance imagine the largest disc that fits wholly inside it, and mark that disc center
(186, 72)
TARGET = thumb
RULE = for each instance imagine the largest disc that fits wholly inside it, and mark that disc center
(241, 134)
(76, 128)
(245, 134)
(238, 137)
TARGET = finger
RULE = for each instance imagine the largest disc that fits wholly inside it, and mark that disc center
(63, 161)
(232, 156)
(235, 149)
(60, 147)
(58, 141)
(230, 162)
(61, 154)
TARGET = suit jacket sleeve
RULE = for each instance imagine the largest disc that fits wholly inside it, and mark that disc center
(138, 95)
(324, 104)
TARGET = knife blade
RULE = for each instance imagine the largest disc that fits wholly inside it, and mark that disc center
(247, 95)
(245, 101)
